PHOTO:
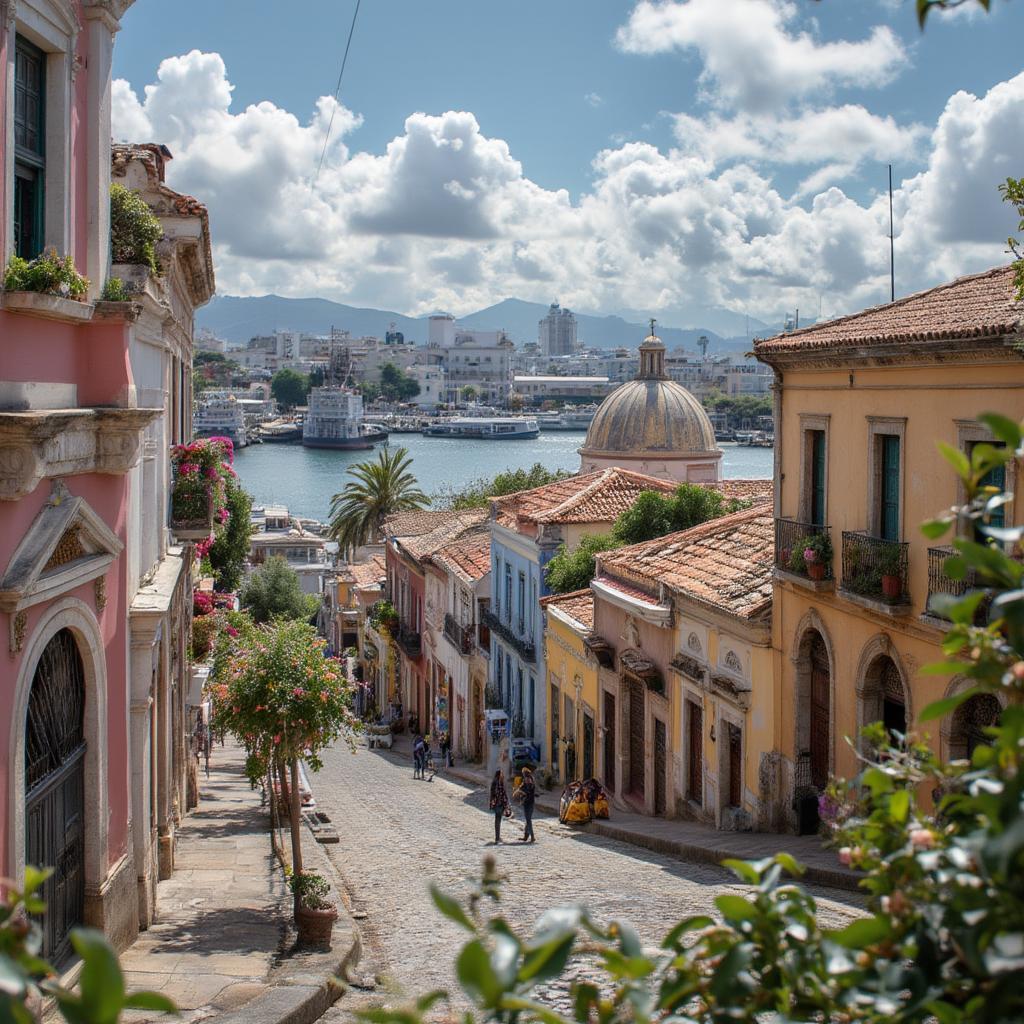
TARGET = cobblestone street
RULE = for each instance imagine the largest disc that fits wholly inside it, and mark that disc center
(397, 834)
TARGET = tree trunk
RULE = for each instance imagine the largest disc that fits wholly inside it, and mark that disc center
(296, 809)
(282, 778)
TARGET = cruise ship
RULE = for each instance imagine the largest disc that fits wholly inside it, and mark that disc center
(335, 420)
(486, 428)
(220, 416)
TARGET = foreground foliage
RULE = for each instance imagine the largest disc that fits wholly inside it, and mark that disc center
(99, 996)
(49, 274)
(943, 939)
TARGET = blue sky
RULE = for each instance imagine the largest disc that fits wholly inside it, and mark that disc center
(560, 83)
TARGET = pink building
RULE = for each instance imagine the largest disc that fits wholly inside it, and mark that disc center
(91, 395)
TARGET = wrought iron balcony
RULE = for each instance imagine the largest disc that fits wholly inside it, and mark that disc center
(793, 538)
(875, 568)
(409, 640)
(460, 636)
(522, 645)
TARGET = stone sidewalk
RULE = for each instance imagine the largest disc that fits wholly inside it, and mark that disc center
(221, 943)
(675, 837)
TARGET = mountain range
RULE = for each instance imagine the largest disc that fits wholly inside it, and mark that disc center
(237, 319)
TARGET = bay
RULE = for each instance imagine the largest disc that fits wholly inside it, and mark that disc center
(305, 479)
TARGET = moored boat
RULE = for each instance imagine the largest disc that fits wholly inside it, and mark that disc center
(486, 428)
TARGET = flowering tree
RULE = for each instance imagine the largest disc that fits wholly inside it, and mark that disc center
(284, 700)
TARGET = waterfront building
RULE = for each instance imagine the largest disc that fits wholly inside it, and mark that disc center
(220, 415)
(457, 590)
(536, 389)
(556, 332)
(306, 552)
(574, 696)
(334, 419)
(94, 596)
(653, 425)
(471, 357)
(687, 703)
(527, 530)
(433, 386)
(860, 404)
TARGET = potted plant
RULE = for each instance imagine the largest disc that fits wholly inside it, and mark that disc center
(48, 274)
(315, 912)
(198, 494)
(891, 567)
(816, 550)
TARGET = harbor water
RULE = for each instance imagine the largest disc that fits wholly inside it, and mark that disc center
(305, 479)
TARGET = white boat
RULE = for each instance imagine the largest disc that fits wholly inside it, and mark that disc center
(568, 419)
(486, 428)
(335, 420)
(220, 416)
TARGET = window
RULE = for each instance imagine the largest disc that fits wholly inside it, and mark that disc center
(889, 491)
(508, 593)
(817, 477)
(522, 600)
(29, 148)
(497, 589)
(813, 506)
(993, 478)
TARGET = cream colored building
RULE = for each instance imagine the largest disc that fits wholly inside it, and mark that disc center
(860, 405)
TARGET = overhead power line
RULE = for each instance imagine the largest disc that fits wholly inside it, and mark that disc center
(337, 92)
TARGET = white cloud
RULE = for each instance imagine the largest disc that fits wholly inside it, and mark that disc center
(447, 217)
(593, 99)
(752, 57)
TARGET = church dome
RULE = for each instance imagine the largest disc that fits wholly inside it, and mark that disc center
(651, 416)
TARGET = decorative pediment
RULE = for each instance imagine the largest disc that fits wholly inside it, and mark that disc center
(688, 666)
(63, 442)
(67, 545)
(603, 651)
(735, 690)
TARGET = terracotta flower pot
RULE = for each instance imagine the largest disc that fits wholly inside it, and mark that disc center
(315, 926)
(892, 587)
(816, 571)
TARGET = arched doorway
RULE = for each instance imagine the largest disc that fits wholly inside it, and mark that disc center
(884, 699)
(813, 728)
(55, 788)
(970, 721)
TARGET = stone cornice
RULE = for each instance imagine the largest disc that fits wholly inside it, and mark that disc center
(110, 12)
(64, 442)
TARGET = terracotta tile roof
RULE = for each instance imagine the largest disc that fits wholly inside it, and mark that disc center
(469, 558)
(725, 563)
(364, 574)
(756, 491)
(453, 525)
(578, 605)
(414, 522)
(597, 497)
(979, 306)
(647, 593)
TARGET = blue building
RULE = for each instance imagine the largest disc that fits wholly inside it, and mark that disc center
(527, 531)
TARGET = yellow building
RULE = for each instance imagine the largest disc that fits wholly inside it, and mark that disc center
(572, 681)
(860, 404)
(682, 626)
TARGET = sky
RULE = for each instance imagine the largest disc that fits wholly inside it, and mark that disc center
(664, 156)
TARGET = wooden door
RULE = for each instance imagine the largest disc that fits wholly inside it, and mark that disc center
(735, 766)
(695, 753)
(609, 742)
(821, 727)
(588, 746)
(660, 758)
(637, 745)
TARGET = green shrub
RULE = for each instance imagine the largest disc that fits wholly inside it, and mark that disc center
(47, 274)
(115, 291)
(134, 230)
(311, 890)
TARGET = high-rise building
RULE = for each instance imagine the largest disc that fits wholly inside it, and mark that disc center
(557, 332)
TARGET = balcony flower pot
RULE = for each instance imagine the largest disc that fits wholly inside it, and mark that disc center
(315, 926)
(892, 587)
(816, 571)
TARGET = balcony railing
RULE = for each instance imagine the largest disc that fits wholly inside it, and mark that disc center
(940, 583)
(409, 640)
(460, 636)
(522, 645)
(875, 568)
(483, 638)
(793, 538)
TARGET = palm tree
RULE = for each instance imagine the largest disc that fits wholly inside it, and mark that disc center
(378, 489)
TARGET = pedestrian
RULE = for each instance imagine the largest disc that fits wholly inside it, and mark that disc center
(419, 759)
(499, 804)
(528, 792)
(446, 749)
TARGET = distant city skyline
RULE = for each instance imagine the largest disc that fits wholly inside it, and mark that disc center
(709, 153)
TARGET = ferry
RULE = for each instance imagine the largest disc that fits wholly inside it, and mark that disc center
(281, 431)
(486, 428)
(335, 420)
(568, 419)
(220, 416)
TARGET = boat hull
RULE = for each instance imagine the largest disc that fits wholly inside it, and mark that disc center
(360, 443)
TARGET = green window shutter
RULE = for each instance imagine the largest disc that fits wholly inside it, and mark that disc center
(889, 520)
(29, 148)
(993, 478)
(818, 477)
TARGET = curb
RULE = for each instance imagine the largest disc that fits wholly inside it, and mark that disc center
(306, 995)
(832, 878)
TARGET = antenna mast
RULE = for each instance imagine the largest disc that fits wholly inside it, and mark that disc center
(892, 247)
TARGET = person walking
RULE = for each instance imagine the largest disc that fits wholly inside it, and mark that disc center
(419, 757)
(528, 791)
(499, 804)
